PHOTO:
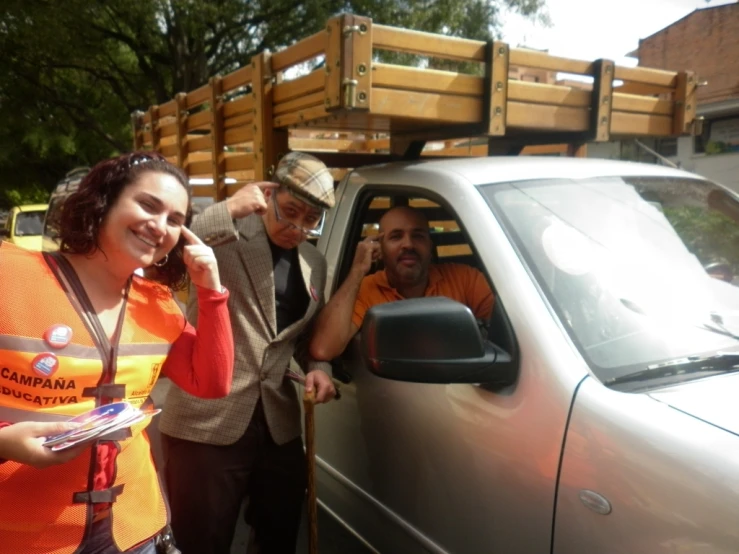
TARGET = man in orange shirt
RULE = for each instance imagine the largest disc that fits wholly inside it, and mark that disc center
(405, 246)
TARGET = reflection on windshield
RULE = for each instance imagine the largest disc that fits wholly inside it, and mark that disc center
(29, 223)
(656, 243)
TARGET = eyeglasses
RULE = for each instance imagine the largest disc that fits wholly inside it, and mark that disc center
(314, 232)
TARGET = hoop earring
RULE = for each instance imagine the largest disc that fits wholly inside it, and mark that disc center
(163, 261)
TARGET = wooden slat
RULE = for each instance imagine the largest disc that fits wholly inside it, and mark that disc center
(327, 144)
(137, 125)
(647, 75)
(201, 143)
(354, 122)
(287, 90)
(299, 52)
(199, 120)
(238, 78)
(428, 44)
(298, 117)
(198, 96)
(468, 150)
(547, 118)
(198, 156)
(540, 93)
(147, 137)
(203, 191)
(238, 121)
(332, 77)
(640, 125)
(232, 188)
(544, 149)
(147, 117)
(202, 167)
(168, 150)
(420, 105)
(240, 163)
(181, 117)
(425, 80)
(378, 144)
(642, 89)
(542, 60)
(241, 105)
(237, 136)
(261, 64)
(424, 203)
(168, 109)
(217, 154)
(641, 104)
(300, 103)
(168, 130)
(432, 214)
(156, 131)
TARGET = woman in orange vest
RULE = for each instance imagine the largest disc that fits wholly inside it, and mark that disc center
(80, 329)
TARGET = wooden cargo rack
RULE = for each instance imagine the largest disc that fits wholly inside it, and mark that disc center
(330, 94)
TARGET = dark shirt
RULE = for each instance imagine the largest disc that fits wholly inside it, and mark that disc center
(291, 298)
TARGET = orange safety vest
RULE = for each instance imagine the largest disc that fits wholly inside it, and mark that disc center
(44, 379)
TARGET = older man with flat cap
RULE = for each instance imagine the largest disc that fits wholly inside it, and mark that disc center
(219, 452)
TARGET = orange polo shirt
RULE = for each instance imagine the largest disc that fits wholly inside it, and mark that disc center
(459, 282)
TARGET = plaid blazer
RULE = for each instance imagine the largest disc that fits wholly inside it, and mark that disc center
(262, 355)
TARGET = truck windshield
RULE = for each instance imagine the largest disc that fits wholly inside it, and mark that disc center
(639, 269)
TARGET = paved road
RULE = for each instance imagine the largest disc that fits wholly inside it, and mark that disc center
(332, 537)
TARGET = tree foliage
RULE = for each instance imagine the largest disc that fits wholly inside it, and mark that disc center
(710, 235)
(72, 71)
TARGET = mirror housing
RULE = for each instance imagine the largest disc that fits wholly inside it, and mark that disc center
(431, 340)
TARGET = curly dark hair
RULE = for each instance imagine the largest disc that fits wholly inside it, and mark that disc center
(85, 209)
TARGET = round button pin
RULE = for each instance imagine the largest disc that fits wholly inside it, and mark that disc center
(45, 364)
(58, 336)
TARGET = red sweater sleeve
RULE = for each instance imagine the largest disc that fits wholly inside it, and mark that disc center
(3, 424)
(201, 360)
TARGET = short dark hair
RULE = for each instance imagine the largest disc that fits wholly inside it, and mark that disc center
(85, 209)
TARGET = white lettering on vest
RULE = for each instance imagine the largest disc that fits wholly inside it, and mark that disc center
(37, 382)
(40, 400)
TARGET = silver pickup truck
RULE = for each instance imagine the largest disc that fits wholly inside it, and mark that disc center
(596, 412)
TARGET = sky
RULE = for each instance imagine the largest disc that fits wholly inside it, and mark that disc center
(592, 29)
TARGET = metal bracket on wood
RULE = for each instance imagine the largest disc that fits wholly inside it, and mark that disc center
(495, 100)
(686, 92)
(348, 63)
(602, 100)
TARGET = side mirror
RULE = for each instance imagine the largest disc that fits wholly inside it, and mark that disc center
(4, 232)
(431, 340)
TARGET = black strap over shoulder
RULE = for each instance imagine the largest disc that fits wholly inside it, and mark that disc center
(97, 497)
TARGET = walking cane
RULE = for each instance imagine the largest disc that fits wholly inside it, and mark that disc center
(309, 403)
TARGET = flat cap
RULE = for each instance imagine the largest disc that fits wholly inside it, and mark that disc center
(308, 178)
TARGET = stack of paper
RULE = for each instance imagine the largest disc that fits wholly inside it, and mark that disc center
(97, 423)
